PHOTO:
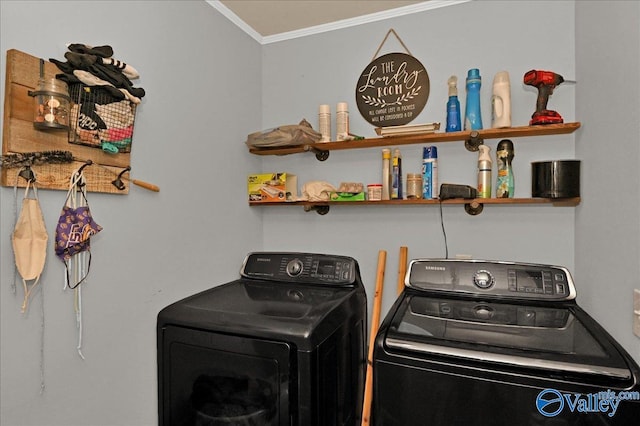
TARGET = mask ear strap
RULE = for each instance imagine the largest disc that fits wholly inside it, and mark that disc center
(86, 274)
(15, 222)
(27, 292)
(77, 178)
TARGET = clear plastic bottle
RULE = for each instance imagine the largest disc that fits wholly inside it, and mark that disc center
(386, 174)
(484, 172)
(324, 122)
(342, 122)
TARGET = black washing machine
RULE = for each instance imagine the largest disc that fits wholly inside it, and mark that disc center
(282, 345)
(471, 342)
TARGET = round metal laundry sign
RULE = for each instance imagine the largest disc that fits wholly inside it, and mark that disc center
(392, 90)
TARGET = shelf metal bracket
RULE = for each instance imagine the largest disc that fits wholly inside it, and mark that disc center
(321, 154)
(474, 141)
(473, 208)
(321, 210)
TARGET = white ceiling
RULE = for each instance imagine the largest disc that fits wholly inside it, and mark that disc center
(271, 17)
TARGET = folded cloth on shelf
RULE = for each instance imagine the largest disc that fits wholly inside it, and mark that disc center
(288, 135)
(317, 191)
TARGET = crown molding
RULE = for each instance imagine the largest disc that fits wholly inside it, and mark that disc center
(224, 10)
(332, 26)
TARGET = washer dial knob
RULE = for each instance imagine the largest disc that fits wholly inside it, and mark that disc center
(483, 279)
(294, 268)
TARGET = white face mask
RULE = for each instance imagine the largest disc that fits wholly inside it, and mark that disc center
(29, 241)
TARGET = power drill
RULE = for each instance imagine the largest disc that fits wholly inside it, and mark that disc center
(545, 82)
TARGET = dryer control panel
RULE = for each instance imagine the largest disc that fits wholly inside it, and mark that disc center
(491, 278)
(303, 268)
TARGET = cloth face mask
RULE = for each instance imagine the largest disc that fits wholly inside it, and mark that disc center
(73, 232)
(29, 242)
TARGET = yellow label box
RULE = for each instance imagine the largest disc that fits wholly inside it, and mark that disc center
(272, 187)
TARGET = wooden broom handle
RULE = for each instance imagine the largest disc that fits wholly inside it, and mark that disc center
(402, 267)
(375, 323)
(143, 184)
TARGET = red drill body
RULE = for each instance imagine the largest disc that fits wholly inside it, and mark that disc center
(545, 82)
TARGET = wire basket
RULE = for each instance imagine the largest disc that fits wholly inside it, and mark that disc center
(101, 119)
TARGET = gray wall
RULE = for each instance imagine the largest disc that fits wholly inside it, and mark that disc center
(300, 74)
(202, 77)
(209, 85)
(608, 220)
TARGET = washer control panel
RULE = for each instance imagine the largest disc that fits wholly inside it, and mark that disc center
(491, 278)
(309, 268)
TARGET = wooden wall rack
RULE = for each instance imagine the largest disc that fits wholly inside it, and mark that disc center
(19, 135)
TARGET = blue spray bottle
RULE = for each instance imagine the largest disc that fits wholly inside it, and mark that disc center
(453, 106)
(472, 116)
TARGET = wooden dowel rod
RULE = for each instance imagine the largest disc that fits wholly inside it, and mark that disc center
(402, 267)
(375, 322)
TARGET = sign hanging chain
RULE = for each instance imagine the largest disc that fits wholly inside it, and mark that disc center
(375, 55)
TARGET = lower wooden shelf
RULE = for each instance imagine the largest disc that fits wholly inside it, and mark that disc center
(472, 206)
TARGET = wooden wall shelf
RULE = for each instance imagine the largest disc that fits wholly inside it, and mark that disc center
(467, 136)
(476, 204)
(472, 140)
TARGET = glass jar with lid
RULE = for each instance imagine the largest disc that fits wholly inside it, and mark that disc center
(51, 104)
(414, 185)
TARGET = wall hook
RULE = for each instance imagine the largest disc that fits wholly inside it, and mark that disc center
(118, 181)
(80, 176)
(86, 163)
(27, 173)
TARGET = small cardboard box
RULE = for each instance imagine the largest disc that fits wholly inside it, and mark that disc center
(272, 187)
(347, 196)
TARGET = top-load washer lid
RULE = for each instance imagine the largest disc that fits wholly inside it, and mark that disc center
(502, 314)
(284, 304)
(543, 338)
(560, 339)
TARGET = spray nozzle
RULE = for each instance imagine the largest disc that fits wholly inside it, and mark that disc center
(483, 154)
(453, 82)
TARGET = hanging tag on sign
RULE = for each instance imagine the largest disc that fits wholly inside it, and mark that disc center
(393, 89)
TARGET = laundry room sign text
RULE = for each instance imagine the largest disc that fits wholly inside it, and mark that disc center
(392, 90)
